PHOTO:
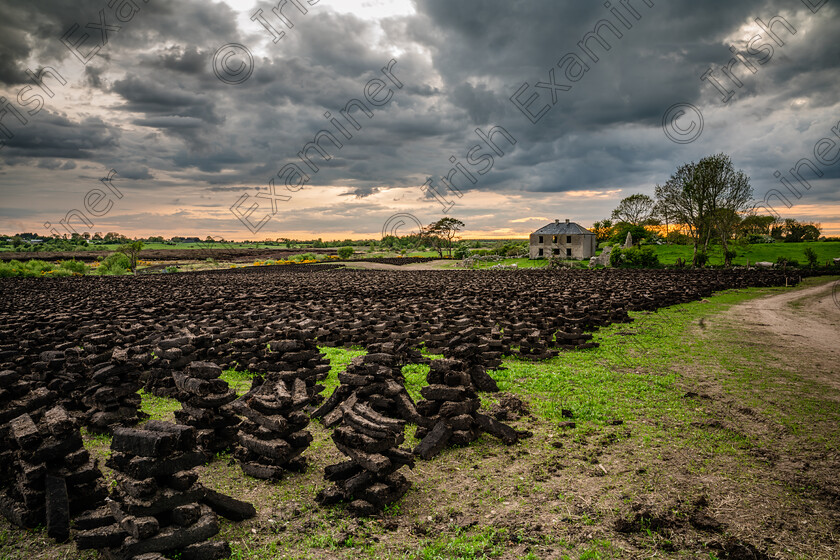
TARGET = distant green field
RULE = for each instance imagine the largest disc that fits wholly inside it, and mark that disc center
(825, 250)
(668, 254)
(157, 246)
(520, 263)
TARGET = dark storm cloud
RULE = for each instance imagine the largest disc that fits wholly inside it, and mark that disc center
(154, 98)
(56, 136)
(188, 60)
(162, 116)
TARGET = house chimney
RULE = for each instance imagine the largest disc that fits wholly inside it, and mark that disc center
(567, 220)
(556, 221)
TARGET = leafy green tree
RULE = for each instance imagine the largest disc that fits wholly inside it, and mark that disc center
(755, 224)
(442, 233)
(132, 251)
(114, 237)
(705, 197)
(345, 252)
(636, 209)
(793, 231)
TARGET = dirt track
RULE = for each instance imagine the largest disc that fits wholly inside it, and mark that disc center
(804, 326)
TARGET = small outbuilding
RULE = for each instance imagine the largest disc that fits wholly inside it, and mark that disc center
(565, 240)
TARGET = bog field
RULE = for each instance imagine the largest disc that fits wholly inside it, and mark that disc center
(320, 411)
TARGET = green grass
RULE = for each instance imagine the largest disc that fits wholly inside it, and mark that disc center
(668, 254)
(415, 379)
(339, 359)
(239, 381)
(520, 263)
(158, 408)
(768, 252)
(487, 542)
(639, 374)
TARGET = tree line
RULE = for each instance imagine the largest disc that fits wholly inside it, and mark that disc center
(701, 203)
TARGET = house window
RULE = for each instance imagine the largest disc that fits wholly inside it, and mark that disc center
(554, 239)
(556, 251)
(541, 252)
(568, 239)
(541, 240)
(568, 252)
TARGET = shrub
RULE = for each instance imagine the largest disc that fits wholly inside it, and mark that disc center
(171, 269)
(75, 266)
(638, 233)
(345, 252)
(114, 264)
(8, 270)
(677, 238)
(37, 267)
(728, 256)
(755, 238)
(132, 251)
(461, 252)
(305, 257)
(635, 257)
(811, 255)
(701, 259)
(782, 261)
(116, 258)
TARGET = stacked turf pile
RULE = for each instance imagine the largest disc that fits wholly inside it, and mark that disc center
(451, 407)
(373, 379)
(402, 352)
(19, 396)
(205, 405)
(293, 354)
(368, 479)
(158, 507)
(536, 347)
(54, 477)
(272, 435)
(65, 373)
(111, 396)
(172, 353)
(277, 349)
(481, 349)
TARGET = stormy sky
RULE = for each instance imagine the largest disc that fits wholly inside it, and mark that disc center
(216, 117)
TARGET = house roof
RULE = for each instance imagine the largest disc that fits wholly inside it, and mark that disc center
(563, 228)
